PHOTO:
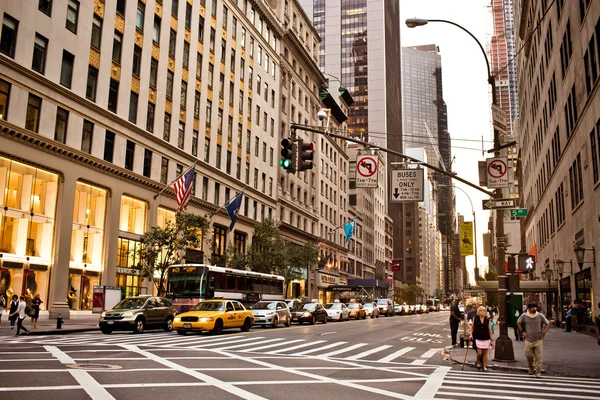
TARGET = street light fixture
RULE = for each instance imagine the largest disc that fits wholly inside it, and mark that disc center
(504, 346)
(580, 254)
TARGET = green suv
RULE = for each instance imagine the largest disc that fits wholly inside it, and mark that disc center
(138, 313)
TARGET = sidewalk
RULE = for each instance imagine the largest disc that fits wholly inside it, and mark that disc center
(564, 353)
(80, 321)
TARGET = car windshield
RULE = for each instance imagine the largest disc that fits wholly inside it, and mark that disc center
(353, 306)
(368, 305)
(333, 306)
(307, 306)
(131, 303)
(210, 306)
(264, 305)
(382, 302)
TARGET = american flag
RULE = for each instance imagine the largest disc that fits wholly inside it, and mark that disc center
(183, 188)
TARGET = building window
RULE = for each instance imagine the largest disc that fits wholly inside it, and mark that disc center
(212, 40)
(228, 162)
(576, 182)
(137, 60)
(195, 143)
(66, 71)
(217, 193)
(164, 170)
(117, 45)
(197, 104)
(186, 54)
(208, 112)
(133, 106)
(566, 50)
(183, 95)
(113, 94)
(181, 135)
(169, 84)
(96, 32)
(8, 40)
(109, 146)
(571, 112)
(153, 72)
(60, 127)
(87, 137)
(594, 150)
(156, 30)
(188, 16)
(172, 43)
(199, 66)
(139, 17)
(167, 128)
(150, 118)
(45, 6)
(72, 15)
(201, 29)
(133, 215)
(147, 163)
(92, 82)
(239, 242)
(39, 53)
(32, 117)
(88, 224)
(218, 161)
(121, 7)
(129, 155)
(219, 240)
(206, 149)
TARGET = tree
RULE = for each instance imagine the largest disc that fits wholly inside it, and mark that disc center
(298, 258)
(162, 247)
(409, 293)
(235, 259)
(267, 253)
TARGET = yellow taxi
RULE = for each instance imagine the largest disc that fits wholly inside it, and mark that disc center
(357, 311)
(214, 316)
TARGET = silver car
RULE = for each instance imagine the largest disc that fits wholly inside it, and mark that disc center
(372, 310)
(337, 312)
(271, 313)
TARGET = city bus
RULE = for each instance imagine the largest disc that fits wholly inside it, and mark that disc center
(189, 283)
(433, 304)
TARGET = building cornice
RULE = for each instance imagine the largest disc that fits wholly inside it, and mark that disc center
(290, 38)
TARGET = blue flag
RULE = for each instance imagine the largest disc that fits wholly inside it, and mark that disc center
(349, 230)
(233, 207)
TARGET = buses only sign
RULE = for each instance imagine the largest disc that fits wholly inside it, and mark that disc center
(407, 185)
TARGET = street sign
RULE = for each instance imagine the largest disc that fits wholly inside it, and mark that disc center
(366, 171)
(518, 212)
(466, 238)
(493, 204)
(497, 172)
(499, 119)
(407, 185)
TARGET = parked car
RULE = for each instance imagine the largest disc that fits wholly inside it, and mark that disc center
(372, 310)
(385, 307)
(357, 311)
(292, 303)
(424, 308)
(271, 313)
(214, 316)
(138, 313)
(309, 312)
(337, 311)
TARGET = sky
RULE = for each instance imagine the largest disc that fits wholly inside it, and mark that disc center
(465, 91)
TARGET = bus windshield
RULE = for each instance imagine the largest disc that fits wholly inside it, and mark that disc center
(186, 282)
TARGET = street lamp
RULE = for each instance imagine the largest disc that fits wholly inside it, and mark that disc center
(504, 347)
(580, 254)
(560, 267)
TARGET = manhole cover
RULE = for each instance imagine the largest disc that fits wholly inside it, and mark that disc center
(93, 366)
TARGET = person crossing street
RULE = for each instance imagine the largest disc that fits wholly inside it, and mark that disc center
(533, 326)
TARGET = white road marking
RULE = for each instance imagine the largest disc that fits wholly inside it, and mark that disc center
(320, 348)
(89, 384)
(349, 348)
(433, 384)
(251, 344)
(327, 333)
(38, 388)
(396, 354)
(368, 352)
(247, 339)
(506, 384)
(272, 345)
(418, 362)
(198, 375)
(296, 347)
(429, 353)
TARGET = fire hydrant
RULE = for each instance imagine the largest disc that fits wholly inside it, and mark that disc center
(59, 321)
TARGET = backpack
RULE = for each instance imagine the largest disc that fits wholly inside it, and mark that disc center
(27, 310)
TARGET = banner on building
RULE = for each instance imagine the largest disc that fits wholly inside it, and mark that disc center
(466, 238)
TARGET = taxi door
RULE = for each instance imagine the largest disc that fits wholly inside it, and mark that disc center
(241, 312)
(230, 318)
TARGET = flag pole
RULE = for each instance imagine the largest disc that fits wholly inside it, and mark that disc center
(175, 180)
(226, 203)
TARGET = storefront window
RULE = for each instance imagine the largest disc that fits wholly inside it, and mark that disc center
(584, 294)
(128, 253)
(219, 240)
(164, 215)
(28, 200)
(88, 225)
(133, 215)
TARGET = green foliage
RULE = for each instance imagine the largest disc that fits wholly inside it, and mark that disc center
(299, 258)
(163, 247)
(490, 276)
(267, 253)
(235, 259)
(409, 294)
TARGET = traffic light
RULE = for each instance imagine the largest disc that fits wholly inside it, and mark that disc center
(288, 155)
(305, 156)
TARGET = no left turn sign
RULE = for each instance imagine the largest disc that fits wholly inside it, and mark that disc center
(366, 172)
(497, 172)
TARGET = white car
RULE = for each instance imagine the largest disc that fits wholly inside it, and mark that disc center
(372, 310)
(271, 313)
(337, 311)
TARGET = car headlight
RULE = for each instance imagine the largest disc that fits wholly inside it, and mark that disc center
(103, 315)
(270, 313)
(177, 319)
(306, 314)
(337, 313)
(207, 319)
(127, 314)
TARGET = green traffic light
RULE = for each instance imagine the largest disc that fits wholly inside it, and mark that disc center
(286, 164)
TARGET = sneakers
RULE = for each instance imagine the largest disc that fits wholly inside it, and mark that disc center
(538, 374)
(478, 365)
(484, 369)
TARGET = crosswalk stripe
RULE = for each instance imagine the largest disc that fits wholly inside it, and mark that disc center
(396, 354)
(429, 353)
(270, 346)
(512, 375)
(296, 347)
(247, 339)
(204, 339)
(527, 379)
(519, 392)
(251, 344)
(349, 348)
(418, 362)
(544, 384)
(321, 348)
(369, 352)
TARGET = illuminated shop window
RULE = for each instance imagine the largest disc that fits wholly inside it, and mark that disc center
(133, 215)
(88, 224)
(28, 198)
(164, 215)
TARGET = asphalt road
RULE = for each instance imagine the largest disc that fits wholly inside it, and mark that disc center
(395, 357)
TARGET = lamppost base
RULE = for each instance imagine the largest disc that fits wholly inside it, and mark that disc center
(504, 349)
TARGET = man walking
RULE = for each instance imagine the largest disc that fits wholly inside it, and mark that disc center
(455, 319)
(533, 326)
(21, 314)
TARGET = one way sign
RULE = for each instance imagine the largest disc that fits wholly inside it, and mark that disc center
(493, 204)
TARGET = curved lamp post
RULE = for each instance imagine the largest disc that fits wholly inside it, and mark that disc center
(504, 347)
